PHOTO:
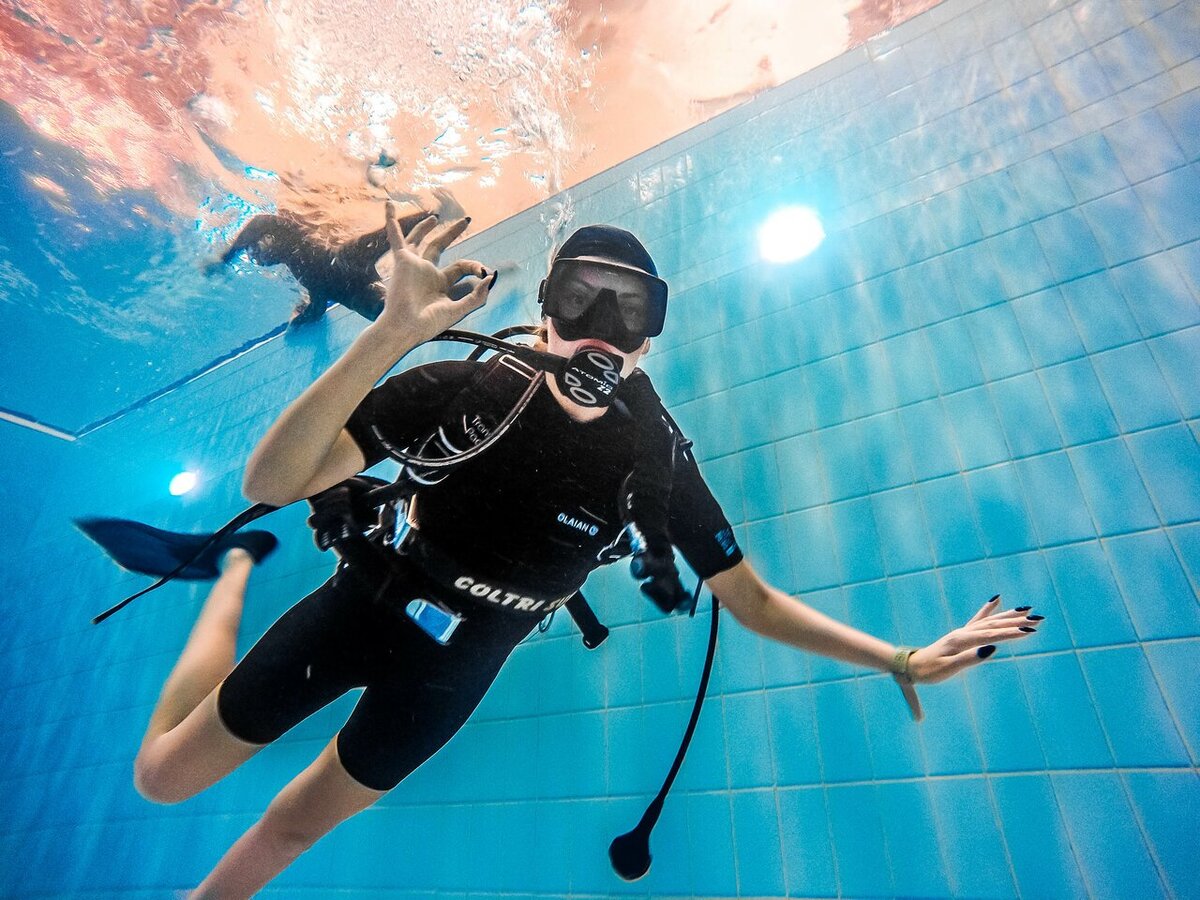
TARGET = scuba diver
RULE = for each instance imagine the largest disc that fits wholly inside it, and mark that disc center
(424, 609)
(344, 274)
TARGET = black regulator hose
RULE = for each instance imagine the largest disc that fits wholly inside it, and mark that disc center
(630, 852)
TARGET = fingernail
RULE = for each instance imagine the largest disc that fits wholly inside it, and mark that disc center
(1035, 618)
(1027, 629)
(483, 273)
(993, 600)
(495, 275)
(1023, 608)
(467, 219)
(985, 652)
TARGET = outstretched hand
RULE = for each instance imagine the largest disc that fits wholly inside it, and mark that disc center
(972, 643)
(418, 293)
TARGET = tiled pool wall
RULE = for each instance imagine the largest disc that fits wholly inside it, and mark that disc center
(984, 381)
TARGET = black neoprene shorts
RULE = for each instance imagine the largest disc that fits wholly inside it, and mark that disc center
(418, 692)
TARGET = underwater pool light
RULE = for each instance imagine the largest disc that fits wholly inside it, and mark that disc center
(789, 234)
(182, 483)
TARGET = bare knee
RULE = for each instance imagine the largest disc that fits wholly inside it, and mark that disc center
(156, 783)
(289, 833)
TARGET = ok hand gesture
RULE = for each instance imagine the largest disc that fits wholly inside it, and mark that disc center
(418, 301)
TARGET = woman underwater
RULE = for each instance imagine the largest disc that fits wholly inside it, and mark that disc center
(562, 465)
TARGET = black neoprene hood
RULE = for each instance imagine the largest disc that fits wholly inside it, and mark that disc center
(607, 242)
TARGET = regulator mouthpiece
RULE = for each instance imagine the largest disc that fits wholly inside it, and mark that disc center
(590, 378)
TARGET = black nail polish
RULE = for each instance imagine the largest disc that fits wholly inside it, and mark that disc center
(1035, 618)
(994, 599)
(1022, 608)
(1027, 629)
(467, 219)
(985, 652)
(495, 275)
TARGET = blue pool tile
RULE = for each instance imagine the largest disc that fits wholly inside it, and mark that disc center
(1176, 355)
(977, 428)
(1175, 666)
(1029, 425)
(858, 842)
(1021, 262)
(845, 753)
(1015, 57)
(903, 535)
(827, 381)
(710, 822)
(791, 411)
(1135, 388)
(1182, 116)
(910, 357)
(762, 490)
(857, 540)
(951, 525)
(1024, 579)
(1100, 312)
(1047, 327)
(793, 721)
(1127, 59)
(845, 467)
(801, 472)
(1090, 167)
(948, 731)
(740, 659)
(1169, 460)
(746, 735)
(1158, 296)
(1069, 245)
(1088, 595)
(978, 864)
(1157, 594)
(769, 546)
(976, 280)
(885, 457)
(1054, 499)
(1080, 81)
(1187, 543)
(1173, 202)
(869, 609)
(832, 602)
(917, 608)
(807, 853)
(930, 439)
(1030, 817)
(874, 389)
(757, 845)
(1066, 719)
(1042, 186)
(1004, 522)
(1036, 100)
(1113, 488)
(999, 341)
(814, 549)
(996, 202)
(1141, 733)
(954, 357)
(1079, 403)
(1108, 844)
(895, 740)
(1007, 731)
(1145, 147)
(910, 827)
(1121, 227)
(1168, 804)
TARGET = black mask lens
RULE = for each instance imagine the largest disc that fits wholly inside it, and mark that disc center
(575, 288)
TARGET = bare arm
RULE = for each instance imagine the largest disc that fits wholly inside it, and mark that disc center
(307, 448)
(773, 614)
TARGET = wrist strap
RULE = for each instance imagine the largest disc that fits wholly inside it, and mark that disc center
(904, 678)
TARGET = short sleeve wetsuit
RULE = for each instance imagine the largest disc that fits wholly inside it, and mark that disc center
(528, 518)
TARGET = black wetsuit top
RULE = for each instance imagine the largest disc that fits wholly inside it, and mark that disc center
(532, 512)
(538, 509)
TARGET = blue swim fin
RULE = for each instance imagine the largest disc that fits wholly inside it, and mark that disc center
(152, 551)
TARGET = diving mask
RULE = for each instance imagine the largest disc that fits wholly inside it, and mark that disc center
(616, 303)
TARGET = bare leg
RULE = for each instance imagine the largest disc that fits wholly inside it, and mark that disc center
(316, 800)
(186, 747)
